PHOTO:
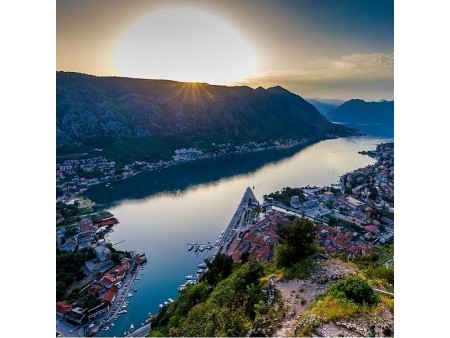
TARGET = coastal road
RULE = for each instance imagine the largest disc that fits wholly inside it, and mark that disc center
(236, 220)
(143, 331)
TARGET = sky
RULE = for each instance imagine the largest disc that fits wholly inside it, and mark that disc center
(338, 49)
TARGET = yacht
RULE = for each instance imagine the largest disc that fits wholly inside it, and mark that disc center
(131, 327)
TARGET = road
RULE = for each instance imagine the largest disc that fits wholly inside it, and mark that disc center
(236, 221)
(143, 331)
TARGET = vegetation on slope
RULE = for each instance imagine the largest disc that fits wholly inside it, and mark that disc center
(297, 242)
(229, 308)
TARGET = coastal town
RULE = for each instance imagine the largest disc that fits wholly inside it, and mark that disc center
(75, 175)
(352, 217)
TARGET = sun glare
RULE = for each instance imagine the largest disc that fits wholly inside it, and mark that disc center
(184, 45)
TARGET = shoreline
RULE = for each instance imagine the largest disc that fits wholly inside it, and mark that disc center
(207, 156)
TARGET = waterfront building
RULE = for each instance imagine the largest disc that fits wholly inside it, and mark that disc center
(102, 252)
(62, 308)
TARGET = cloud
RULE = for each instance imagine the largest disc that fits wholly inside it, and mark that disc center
(363, 75)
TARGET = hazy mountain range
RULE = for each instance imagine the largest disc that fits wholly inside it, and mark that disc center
(324, 106)
(374, 118)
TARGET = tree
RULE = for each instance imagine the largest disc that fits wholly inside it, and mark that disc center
(299, 239)
(356, 289)
(245, 256)
(219, 268)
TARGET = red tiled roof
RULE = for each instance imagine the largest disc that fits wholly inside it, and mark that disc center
(236, 256)
(62, 307)
(93, 289)
(371, 228)
(110, 295)
(120, 271)
(105, 222)
(249, 237)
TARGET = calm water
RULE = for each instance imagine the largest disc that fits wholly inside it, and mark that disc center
(159, 212)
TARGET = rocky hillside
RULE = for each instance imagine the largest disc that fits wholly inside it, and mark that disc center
(94, 111)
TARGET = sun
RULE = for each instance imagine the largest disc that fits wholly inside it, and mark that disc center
(184, 45)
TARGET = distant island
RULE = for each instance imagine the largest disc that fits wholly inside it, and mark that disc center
(136, 119)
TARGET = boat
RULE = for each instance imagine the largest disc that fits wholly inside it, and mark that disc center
(201, 248)
(129, 294)
(202, 266)
(124, 333)
(106, 328)
(141, 273)
(131, 327)
(191, 247)
(135, 290)
(112, 324)
(181, 288)
(200, 271)
(142, 324)
(122, 311)
(161, 306)
(125, 306)
(191, 277)
(137, 278)
(166, 303)
(147, 320)
(196, 247)
(170, 300)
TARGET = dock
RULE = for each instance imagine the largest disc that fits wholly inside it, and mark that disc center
(237, 221)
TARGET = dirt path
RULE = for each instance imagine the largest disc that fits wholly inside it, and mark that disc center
(299, 295)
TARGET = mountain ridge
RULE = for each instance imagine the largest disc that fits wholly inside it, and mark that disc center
(91, 109)
(376, 118)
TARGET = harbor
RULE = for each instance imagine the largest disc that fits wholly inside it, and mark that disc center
(240, 221)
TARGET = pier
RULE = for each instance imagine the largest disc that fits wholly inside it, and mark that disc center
(237, 221)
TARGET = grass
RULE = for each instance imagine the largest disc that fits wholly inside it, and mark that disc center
(332, 309)
(387, 302)
(301, 270)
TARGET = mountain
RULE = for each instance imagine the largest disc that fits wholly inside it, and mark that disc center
(374, 118)
(324, 106)
(154, 115)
